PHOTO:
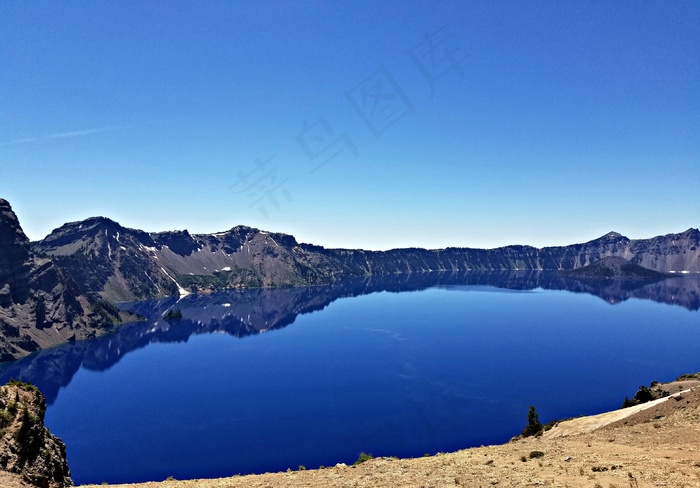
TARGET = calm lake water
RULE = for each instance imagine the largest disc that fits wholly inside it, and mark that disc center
(401, 366)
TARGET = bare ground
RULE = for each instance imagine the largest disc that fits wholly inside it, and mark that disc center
(651, 445)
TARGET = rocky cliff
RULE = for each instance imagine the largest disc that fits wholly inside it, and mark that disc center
(40, 304)
(126, 264)
(27, 448)
(102, 256)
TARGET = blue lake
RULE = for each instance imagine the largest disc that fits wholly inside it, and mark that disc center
(401, 366)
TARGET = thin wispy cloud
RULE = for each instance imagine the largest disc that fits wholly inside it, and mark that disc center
(62, 135)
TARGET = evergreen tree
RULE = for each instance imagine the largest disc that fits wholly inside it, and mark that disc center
(533, 423)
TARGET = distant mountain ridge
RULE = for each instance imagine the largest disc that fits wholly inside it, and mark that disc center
(125, 264)
(58, 289)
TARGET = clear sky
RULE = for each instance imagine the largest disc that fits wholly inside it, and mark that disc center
(355, 124)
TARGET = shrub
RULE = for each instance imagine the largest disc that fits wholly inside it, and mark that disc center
(24, 385)
(536, 454)
(644, 395)
(105, 310)
(362, 458)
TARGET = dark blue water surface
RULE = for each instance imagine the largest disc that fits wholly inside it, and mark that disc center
(453, 362)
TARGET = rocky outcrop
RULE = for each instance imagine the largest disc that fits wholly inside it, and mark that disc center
(616, 268)
(126, 264)
(14, 258)
(27, 448)
(40, 304)
(103, 257)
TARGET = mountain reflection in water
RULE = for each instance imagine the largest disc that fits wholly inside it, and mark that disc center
(242, 313)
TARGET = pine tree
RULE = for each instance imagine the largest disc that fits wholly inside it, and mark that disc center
(533, 423)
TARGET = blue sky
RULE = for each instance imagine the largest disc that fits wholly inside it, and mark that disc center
(355, 124)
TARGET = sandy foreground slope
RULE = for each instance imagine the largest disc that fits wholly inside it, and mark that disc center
(655, 444)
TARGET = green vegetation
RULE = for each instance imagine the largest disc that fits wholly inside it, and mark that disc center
(221, 280)
(640, 272)
(173, 314)
(614, 268)
(645, 395)
(534, 427)
(108, 313)
(24, 385)
(693, 376)
(553, 423)
(29, 420)
(12, 408)
(536, 454)
(6, 417)
(362, 458)
(217, 280)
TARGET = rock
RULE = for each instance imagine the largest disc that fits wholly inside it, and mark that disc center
(616, 268)
(40, 305)
(123, 264)
(27, 447)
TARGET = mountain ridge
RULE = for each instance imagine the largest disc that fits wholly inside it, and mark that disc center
(40, 304)
(57, 289)
(123, 264)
